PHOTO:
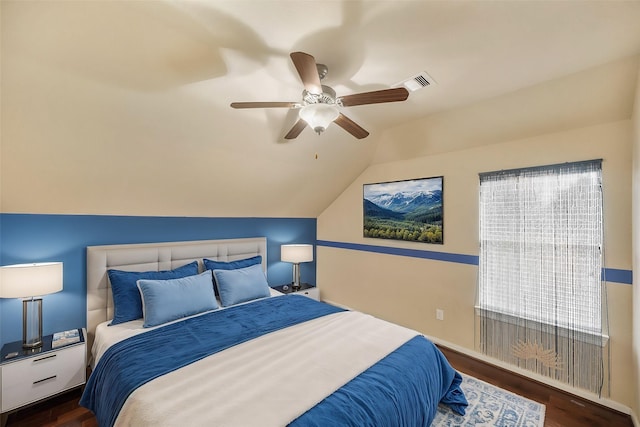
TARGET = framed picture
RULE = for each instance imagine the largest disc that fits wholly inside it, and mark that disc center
(408, 210)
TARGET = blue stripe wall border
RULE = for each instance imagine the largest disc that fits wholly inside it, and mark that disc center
(608, 274)
(414, 253)
(617, 275)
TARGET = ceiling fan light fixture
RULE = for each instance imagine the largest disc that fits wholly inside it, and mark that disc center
(320, 106)
(319, 116)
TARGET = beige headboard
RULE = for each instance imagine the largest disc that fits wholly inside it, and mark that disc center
(154, 257)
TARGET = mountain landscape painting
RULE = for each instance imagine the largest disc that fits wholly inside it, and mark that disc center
(404, 210)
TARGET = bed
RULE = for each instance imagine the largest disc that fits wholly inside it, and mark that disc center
(244, 355)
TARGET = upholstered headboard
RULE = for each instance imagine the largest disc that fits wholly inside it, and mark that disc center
(154, 257)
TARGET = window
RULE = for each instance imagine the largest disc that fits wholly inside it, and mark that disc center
(541, 244)
(541, 304)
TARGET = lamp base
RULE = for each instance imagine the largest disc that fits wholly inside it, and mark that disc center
(31, 346)
(296, 277)
(32, 323)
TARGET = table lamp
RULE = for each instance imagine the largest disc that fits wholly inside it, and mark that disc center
(30, 281)
(296, 254)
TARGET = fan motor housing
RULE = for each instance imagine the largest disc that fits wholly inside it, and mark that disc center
(328, 96)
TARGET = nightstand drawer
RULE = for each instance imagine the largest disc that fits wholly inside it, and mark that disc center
(37, 377)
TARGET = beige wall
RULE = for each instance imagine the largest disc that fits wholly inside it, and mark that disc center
(636, 250)
(408, 290)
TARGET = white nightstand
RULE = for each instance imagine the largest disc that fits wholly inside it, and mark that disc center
(305, 289)
(35, 375)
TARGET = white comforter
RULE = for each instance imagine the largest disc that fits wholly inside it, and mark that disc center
(281, 374)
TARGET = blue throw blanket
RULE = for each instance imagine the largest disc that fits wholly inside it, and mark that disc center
(135, 361)
(403, 389)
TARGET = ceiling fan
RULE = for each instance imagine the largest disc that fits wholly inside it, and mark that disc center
(320, 106)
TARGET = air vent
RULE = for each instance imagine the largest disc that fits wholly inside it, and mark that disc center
(419, 81)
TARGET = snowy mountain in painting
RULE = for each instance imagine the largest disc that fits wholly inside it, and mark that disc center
(406, 202)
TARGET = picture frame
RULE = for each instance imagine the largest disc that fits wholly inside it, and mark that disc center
(408, 210)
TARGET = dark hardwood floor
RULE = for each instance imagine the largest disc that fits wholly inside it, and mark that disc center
(562, 409)
(62, 410)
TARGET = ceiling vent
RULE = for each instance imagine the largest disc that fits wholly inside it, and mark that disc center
(418, 81)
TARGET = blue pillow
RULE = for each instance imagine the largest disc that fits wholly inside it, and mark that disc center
(210, 264)
(167, 300)
(242, 284)
(127, 304)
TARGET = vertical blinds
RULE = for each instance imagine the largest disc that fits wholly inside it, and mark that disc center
(541, 244)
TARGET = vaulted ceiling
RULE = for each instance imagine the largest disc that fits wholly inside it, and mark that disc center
(122, 107)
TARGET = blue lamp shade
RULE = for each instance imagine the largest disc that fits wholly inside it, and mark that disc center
(296, 254)
(29, 281)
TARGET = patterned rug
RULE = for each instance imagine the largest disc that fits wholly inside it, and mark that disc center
(491, 406)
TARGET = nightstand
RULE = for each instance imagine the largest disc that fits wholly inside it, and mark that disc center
(305, 289)
(34, 375)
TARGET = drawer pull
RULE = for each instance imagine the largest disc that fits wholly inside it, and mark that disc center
(44, 379)
(44, 358)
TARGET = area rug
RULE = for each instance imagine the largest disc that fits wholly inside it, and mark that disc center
(491, 406)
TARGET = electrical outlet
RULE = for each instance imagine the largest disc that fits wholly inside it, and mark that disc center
(439, 314)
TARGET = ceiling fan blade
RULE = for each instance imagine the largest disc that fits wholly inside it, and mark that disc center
(265, 105)
(350, 126)
(296, 129)
(306, 66)
(375, 97)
